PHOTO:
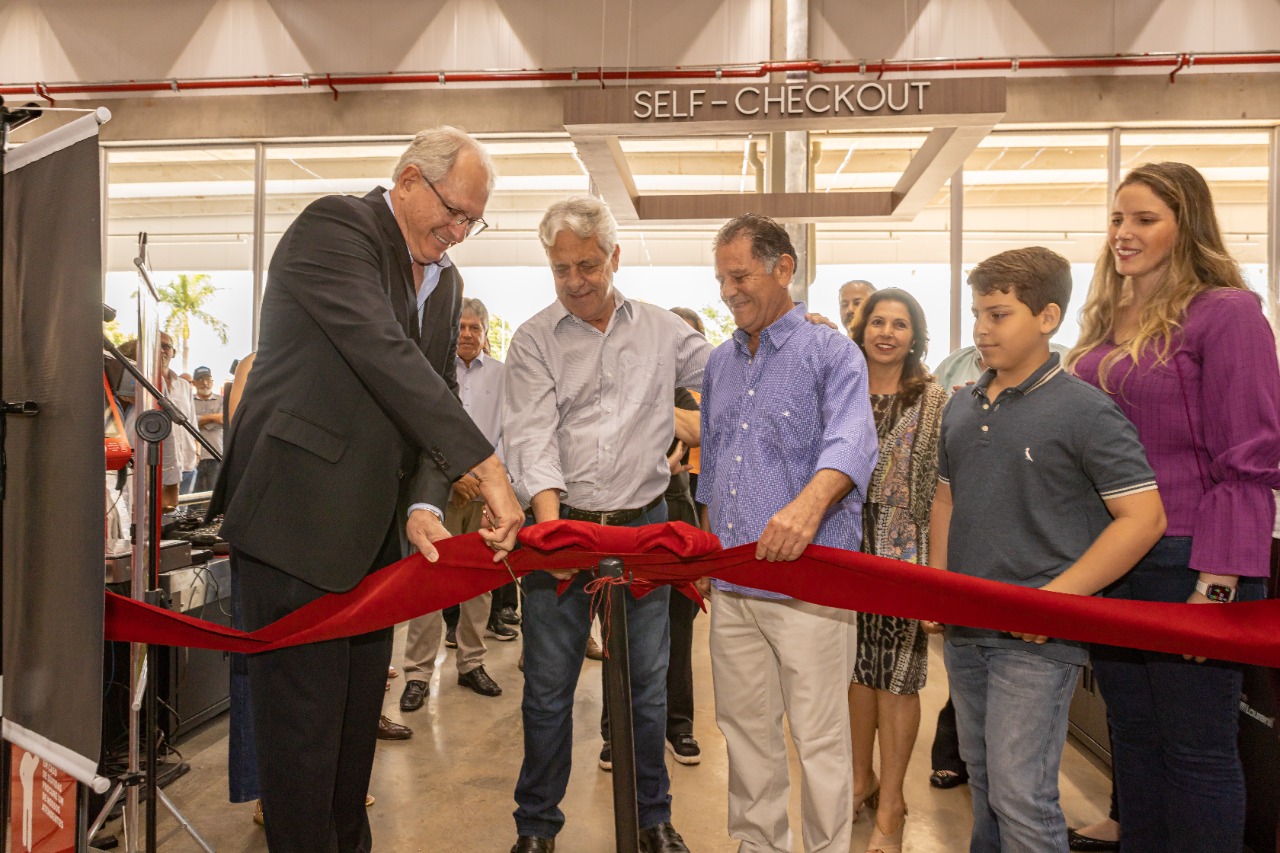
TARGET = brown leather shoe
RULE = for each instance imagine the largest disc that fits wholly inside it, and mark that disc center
(593, 649)
(388, 730)
(533, 844)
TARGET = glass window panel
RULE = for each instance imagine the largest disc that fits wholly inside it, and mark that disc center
(1234, 164)
(196, 207)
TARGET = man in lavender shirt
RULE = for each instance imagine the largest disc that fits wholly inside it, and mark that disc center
(788, 447)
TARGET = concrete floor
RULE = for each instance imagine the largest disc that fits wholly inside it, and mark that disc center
(449, 788)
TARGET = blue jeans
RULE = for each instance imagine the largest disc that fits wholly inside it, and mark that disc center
(1011, 713)
(188, 482)
(555, 641)
(1174, 725)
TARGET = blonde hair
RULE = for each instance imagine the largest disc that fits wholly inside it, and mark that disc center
(1198, 262)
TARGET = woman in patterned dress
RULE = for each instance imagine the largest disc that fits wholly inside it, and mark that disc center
(890, 667)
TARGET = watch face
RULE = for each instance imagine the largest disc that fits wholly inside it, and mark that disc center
(1220, 592)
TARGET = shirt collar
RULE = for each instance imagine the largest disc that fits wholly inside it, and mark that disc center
(778, 332)
(443, 263)
(475, 362)
(1051, 368)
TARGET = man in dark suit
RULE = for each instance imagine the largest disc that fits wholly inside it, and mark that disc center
(342, 421)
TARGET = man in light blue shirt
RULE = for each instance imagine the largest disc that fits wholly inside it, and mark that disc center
(788, 447)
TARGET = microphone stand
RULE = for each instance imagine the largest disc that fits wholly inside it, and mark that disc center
(153, 428)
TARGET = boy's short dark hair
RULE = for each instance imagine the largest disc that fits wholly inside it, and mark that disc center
(1035, 275)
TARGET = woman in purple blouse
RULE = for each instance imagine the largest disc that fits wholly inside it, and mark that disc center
(1173, 333)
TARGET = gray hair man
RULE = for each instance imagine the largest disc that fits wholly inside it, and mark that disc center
(348, 437)
(852, 294)
(587, 423)
(788, 447)
(480, 381)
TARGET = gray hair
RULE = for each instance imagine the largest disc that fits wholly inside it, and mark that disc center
(584, 216)
(769, 240)
(436, 149)
(871, 288)
(473, 306)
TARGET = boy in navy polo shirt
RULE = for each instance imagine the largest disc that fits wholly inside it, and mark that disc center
(1042, 483)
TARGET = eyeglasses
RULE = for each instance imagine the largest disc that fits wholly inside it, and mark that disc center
(474, 226)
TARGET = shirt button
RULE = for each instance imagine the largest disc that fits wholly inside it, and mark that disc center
(737, 459)
(786, 414)
(985, 406)
(744, 426)
(751, 392)
(984, 427)
(730, 525)
(733, 492)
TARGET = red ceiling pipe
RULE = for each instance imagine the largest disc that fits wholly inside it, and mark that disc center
(1180, 61)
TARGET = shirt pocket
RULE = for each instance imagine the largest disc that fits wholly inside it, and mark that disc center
(640, 381)
(790, 431)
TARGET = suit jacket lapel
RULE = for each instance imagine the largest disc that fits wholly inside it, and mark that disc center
(395, 238)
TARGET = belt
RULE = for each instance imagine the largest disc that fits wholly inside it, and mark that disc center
(614, 518)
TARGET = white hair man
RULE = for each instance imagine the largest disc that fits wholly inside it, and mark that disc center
(347, 438)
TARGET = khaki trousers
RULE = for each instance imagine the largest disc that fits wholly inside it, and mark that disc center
(767, 658)
(422, 643)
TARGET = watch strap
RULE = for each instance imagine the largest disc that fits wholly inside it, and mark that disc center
(1218, 592)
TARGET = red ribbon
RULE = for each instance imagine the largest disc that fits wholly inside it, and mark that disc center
(676, 553)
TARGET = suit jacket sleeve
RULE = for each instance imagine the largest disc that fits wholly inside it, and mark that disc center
(336, 277)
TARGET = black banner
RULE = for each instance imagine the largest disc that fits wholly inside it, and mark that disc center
(54, 506)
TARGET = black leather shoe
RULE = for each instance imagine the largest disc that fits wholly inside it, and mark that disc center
(1076, 841)
(945, 779)
(388, 730)
(415, 693)
(662, 838)
(533, 844)
(497, 631)
(479, 681)
(450, 637)
(509, 616)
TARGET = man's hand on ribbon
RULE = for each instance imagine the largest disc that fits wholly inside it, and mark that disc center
(424, 528)
(504, 509)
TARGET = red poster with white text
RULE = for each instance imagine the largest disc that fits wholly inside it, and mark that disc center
(42, 805)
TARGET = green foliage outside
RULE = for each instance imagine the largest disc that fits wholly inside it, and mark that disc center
(186, 296)
(717, 323)
(500, 332)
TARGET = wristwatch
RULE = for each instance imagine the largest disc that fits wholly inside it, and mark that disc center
(1218, 592)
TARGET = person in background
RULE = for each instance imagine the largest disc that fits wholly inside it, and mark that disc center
(182, 395)
(208, 407)
(1172, 332)
(892, 654)
(782, 382)
(480, 381)
(852, 295)
(681, 507)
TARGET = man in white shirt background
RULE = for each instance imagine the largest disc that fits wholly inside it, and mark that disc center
(480, 384)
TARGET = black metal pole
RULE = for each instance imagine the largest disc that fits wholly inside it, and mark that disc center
(617, 690)
(150, 701)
